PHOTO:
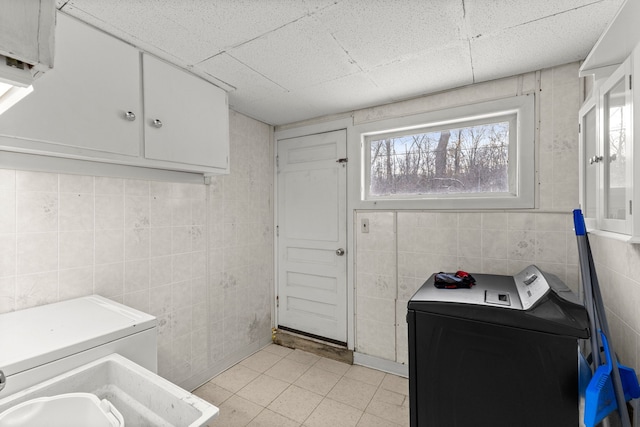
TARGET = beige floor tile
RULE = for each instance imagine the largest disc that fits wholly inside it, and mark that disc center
(366, 375)
(237, 412)
(333, 414)
(295, 403)
(212, 393)
(369, 420)
(234, 378)
(396, 384)
(278, 349)
(303, 357)
(263, 390)
(287, 370)
(388, 396)
(268, 418)
(317, 380)
(334, 366)
(390, 406)
(289, 393)
(261, 361)
(352, 392)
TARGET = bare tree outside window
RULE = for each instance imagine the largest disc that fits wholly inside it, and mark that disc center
(468, 159)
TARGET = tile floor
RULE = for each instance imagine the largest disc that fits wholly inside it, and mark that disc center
(281, 387)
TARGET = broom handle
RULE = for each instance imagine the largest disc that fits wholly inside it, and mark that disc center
(602, 318)
(588, 300)
(585, 272)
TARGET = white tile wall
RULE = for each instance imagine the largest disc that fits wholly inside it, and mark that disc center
(403, 248)
(147, 244)
(618, 272)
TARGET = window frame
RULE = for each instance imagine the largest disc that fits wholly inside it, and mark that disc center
(522, 180)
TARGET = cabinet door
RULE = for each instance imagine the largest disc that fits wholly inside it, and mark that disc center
(616, 143)
(186, 118)
(81, 103)
(589, 162)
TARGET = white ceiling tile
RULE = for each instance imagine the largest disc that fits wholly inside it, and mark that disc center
(562, 38)
(193, 30)
(488, 16)
(244, 80)
(278, 109)
(376, 32)
(345, 94)
(300, 54)
(143, 27)
(431, 71)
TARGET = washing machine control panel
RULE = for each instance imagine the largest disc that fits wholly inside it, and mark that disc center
(531, 285)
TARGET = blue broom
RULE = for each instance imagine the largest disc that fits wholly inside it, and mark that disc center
(600, 397)
(605, 391)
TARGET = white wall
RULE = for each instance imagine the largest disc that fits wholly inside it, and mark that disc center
(403, 248)
(147, 244)
(618, 270)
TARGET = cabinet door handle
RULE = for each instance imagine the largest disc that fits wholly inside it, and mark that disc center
(129, 115)
(595, 159)
(157, 123)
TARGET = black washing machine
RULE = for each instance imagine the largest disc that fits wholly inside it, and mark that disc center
(500, 354)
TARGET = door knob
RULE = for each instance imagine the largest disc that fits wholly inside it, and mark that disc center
(340, 252)
(157, 123)
(129, 115)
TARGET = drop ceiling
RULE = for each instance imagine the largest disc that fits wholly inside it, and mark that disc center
(284, 61)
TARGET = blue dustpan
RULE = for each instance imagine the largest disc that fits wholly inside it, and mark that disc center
(600, 398)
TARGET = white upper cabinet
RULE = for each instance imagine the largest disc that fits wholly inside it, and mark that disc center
(186, 119)
(82, 102)
(616, 43)
(106, 101)
(607, 155)
(609, 123)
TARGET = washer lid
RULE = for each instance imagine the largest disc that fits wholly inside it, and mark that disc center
(39, 335)
(489, 290)
(519, 292)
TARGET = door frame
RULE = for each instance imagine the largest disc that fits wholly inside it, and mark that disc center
(305, 130)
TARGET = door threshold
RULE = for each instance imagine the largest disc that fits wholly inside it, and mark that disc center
(317, 345)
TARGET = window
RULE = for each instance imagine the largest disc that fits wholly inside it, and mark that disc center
(470, 158)
(477, 156)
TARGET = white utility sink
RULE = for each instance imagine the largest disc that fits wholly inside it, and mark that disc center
(142, 397)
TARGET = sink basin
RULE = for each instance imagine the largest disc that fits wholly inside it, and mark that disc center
(63, 410)
(142, 397)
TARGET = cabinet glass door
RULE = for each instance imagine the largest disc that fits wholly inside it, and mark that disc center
(616, 151)
(615, 126)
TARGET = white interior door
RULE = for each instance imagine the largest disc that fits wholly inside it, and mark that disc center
(312, 261)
